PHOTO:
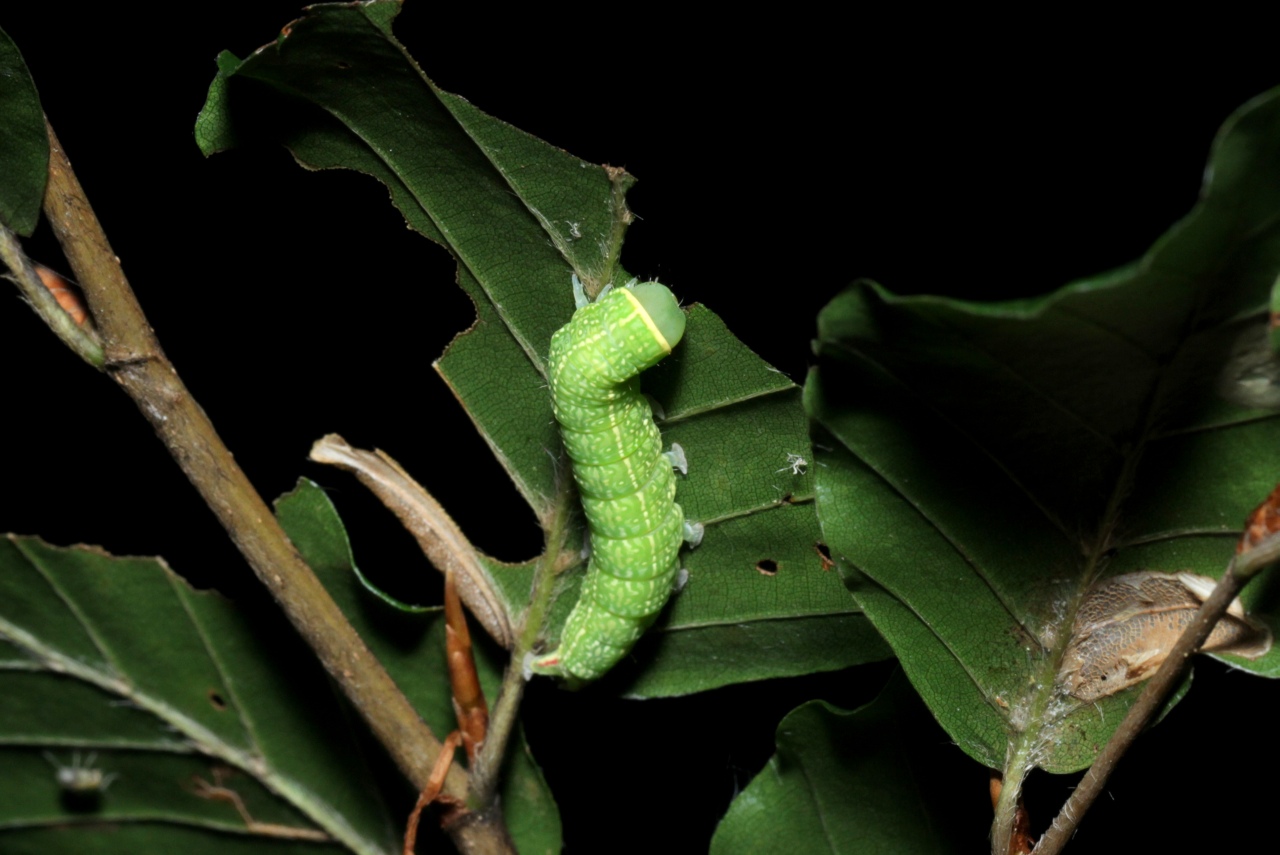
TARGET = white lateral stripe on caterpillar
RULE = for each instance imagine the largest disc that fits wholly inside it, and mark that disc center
(626, 483)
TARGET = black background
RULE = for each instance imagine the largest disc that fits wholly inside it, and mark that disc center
(778, 160)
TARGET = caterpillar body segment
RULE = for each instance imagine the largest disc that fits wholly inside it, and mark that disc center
(625, 480)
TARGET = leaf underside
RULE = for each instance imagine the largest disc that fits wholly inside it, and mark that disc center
(983, 464)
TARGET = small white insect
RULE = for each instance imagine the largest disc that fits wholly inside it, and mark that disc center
(797, 464)
(575, 229)
(81, 777)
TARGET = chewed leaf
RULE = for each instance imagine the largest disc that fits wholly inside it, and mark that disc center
(168, 690)
(983, 466)
(522, 218)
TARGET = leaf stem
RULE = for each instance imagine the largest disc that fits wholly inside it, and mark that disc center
(488, 765)
(134, 359)
(1019, 837)
(1010, 797)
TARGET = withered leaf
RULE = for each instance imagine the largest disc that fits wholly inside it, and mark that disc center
(1127, 624)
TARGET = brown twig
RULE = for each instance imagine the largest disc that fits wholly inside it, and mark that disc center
(444, 544)
(134, 359)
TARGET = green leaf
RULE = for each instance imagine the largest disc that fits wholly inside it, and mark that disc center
(841, 782)
(673, 662)
(987, 462)
(24, 143)
(521, 217)
(411, 648)
(165, 686)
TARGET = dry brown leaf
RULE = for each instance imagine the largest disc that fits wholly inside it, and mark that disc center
(1127, 624)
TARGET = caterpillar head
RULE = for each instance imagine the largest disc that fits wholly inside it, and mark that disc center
(664, 315)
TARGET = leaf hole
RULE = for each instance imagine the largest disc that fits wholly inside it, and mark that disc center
(219, 703)
(767, 567)
(824, 555)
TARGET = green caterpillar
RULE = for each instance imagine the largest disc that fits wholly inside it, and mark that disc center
(625, 481)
